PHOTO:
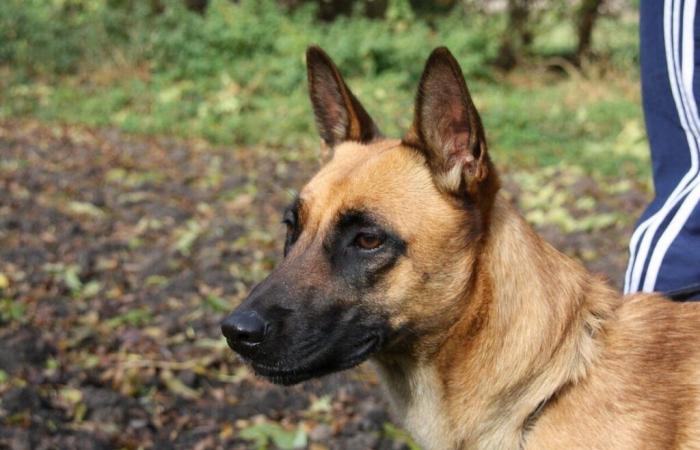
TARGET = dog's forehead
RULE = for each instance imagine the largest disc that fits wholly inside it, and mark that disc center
(385, 176)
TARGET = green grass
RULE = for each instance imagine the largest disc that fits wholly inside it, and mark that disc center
(237, 77)
(549, 122)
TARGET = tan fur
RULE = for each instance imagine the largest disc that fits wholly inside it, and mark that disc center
(506, 323)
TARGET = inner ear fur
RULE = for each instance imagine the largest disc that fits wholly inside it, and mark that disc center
(447, 127)
(339, 115)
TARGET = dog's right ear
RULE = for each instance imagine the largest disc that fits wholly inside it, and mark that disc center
(339, 115)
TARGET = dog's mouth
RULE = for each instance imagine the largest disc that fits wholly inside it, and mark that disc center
(318, 364)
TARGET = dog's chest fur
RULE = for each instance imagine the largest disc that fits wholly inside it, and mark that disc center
(417, 400)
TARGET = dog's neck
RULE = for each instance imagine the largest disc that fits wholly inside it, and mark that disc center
(530, 327)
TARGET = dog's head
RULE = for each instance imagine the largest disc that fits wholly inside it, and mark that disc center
(382, 243)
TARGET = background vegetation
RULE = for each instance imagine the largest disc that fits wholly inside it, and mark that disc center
(147, 147)
(234, 74)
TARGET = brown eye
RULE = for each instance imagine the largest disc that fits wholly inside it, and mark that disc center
(289, 221)
(368, 241)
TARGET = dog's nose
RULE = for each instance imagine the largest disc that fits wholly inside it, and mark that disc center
(246, 327)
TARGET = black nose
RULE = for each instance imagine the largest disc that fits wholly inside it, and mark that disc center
(246, 327)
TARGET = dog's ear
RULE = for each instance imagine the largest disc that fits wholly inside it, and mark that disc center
(447, 127)
(339, 115)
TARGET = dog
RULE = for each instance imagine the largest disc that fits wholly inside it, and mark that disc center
(403, 252)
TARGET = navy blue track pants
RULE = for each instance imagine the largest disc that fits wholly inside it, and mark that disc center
(665, 246)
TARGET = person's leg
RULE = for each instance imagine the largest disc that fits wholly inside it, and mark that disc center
(665, 246)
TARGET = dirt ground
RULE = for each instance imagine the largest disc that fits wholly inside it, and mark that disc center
(119, 256)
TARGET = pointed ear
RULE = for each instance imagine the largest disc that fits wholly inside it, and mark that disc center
(447, 127)
(339, 115)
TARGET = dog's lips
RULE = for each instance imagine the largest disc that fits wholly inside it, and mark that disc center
(280, 375)
(288, 376)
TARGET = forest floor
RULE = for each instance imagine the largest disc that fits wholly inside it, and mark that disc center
(119, 256)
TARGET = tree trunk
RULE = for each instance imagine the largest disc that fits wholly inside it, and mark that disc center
(432, 7)
(587, 15)
(328, 10)
(198, 6)
(517, 35)
(376, 9)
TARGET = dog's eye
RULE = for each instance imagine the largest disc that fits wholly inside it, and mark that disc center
(368, 241)
(290, 222)
(290, 232)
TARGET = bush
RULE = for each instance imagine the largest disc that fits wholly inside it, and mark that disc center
(39, 37)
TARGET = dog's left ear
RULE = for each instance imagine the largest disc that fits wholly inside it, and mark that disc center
(447, 127)
(339, 115)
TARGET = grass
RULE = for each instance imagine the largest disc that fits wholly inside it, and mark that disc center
(236, 77)
(531, 118)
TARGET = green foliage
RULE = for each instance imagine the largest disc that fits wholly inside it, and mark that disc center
(136, 317)
(229, 76)
(260, 47)
(216, 303)
(27, 36)
(264, 433)
(236, 75)
(69, 276)
(11, 311)
(400, 435)
(59, 36)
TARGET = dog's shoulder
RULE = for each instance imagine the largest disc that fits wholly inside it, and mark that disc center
(654, 333)
(655, 313)
(643, 391)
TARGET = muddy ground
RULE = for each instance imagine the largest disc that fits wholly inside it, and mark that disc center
(119, 256)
